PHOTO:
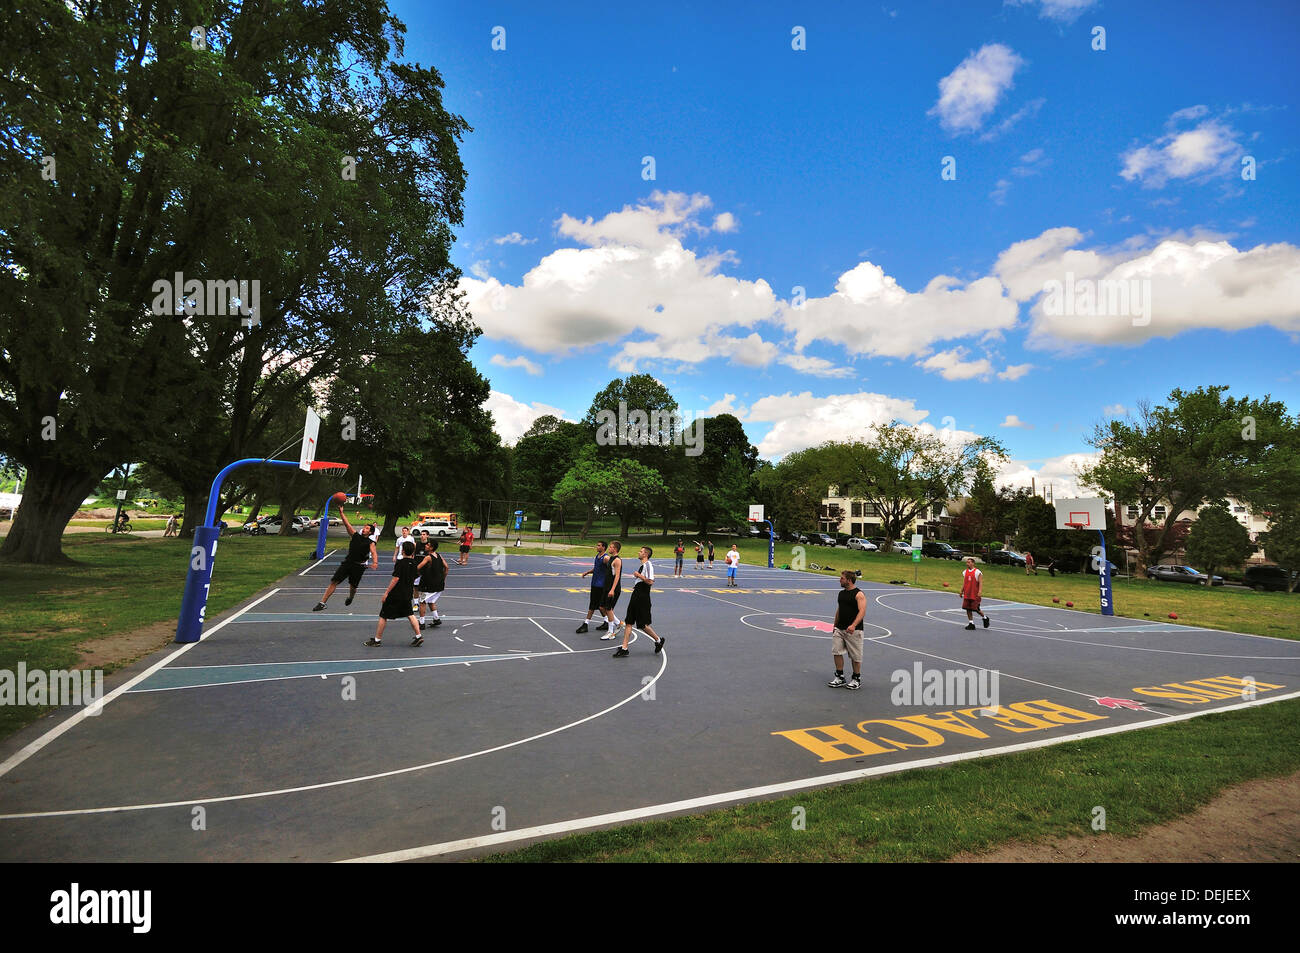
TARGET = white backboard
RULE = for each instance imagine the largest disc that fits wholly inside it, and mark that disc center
(307, 455)
(756, 513)
(1087, 510)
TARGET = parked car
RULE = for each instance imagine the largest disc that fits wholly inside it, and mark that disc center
(1269, 578)
(1006, 557)
(866, 545)
(269, 526)
(939, 550)
(438, 528)
(901, 546)
(304, 523)
(821, 539)
(1182, 574)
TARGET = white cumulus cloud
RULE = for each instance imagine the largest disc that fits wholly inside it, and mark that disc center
(532, 367)
(971, 92)
(1013, 421)
(514, 417)
(1208, 150)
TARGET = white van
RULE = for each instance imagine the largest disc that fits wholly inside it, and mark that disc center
(437, 528)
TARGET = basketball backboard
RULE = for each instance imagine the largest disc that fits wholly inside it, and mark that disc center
(1085, 512)
(756, 513)
(310, 432)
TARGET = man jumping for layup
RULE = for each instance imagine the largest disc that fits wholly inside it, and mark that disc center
(361, 550)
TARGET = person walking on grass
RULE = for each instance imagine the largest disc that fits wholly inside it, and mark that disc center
(398, 598)
(1029, 564)
(846, 638)
(638, 607)
(172, 529)
(972, 591)
(361, 555)
(599, 573)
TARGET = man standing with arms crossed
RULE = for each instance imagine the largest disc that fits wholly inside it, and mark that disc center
(599, 573)
(847, 631)
(361, 549)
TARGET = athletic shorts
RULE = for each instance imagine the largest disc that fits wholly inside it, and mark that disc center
(430, 597)
(396, 606)
(350, 571)
(464, 549)
(847, 643)
(638, 610)
(611, 598)
(972, 604)
(699, 557)
(597, 594)
(731, 572)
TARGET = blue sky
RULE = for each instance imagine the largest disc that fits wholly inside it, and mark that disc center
(799, 259)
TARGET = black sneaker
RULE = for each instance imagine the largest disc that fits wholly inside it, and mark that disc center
(417, 641)
(986, 622)
(620, 653)
(604, 626)
(659, 646)
(319, 606)
(372, 642)
(581, 629)
(970, 626)
(435, 623)
(347, 601)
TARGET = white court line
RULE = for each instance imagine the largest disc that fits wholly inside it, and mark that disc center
(543, 628)
(18, 757)
(748, 794)
(190, 802)
(318, 562)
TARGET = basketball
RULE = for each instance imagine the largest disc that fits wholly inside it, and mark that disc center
(340, 498)
(1069, 605)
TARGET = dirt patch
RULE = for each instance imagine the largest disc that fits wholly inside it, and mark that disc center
(126, 647)
(1258, 821)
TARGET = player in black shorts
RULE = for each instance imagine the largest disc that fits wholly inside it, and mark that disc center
(398, 597)
(432, 582)
(598, 572)
(361, 550)
(638, 607)
(615, 583)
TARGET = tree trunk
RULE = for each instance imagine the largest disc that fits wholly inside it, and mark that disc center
(196, 502)
(390, 525)
(625, 522)
(586, 527)
(51, 497)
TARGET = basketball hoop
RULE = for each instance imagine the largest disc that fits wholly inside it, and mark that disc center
(328, 467)
(1077, 525)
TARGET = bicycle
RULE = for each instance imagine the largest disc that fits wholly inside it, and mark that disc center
(121, 526)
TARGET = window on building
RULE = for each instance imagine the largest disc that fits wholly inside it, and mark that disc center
(1158, 513)
(920, 515)
(856, 529)
(1235, 509)
(869, 509)
(857, 511)
(1132, 512)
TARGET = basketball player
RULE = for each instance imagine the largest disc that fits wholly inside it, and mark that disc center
(361, 548)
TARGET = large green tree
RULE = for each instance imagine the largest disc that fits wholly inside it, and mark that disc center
(903, 470)
(1201, 447)
(1217, 540)
(1282, 541)
(131, 153)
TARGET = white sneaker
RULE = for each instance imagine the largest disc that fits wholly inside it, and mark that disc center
(611, 634)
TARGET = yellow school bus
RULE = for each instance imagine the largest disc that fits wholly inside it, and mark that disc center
(449, 517)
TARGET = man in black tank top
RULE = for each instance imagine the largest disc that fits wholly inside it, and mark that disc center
(847, 634)
(361, 553)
